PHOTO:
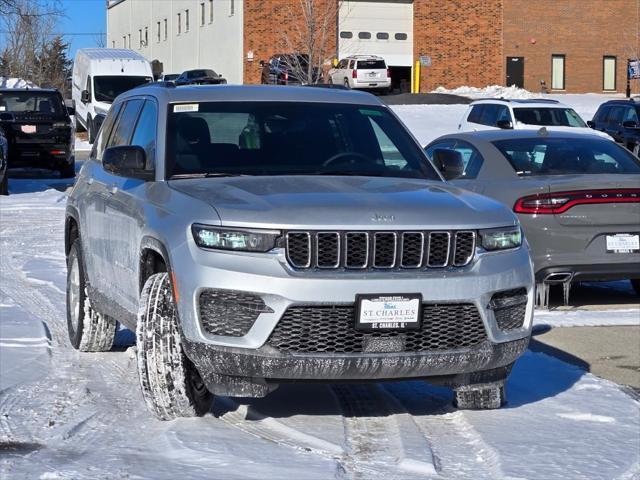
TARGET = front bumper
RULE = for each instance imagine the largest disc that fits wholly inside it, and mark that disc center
(242, 372)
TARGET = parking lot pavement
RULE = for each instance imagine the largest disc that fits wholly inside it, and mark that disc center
(608, 352)
(611, 351)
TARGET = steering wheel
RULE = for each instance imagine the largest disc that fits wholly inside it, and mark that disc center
(343, 156)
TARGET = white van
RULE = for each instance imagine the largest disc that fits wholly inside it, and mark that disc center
(99, 76)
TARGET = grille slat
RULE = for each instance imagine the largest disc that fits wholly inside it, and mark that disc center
(380, 249)
(330, 329)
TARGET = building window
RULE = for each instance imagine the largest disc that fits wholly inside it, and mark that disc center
(186, 20)
(232, 7)
(158, 32)
(179, 23)
(364, 35)
(557, 72)
(146, 36)
(346, 34)
(210, 11)
(609, 73)
(124, 41)
(166, 28)
(139, 38)
(202, 14)
(128, 40)
(400, 36)
(113, 44)
(382, 36)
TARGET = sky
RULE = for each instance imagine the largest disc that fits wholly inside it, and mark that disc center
(83, 17)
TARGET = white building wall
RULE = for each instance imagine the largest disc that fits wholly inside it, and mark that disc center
(215, 43)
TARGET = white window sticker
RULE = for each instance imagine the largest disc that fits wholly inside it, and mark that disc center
(185, 107)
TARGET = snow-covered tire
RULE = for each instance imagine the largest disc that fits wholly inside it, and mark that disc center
(89, 330)
(171, 385)
(480, 397)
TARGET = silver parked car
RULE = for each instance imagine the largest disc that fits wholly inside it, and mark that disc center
(254, 236)
(577, 197)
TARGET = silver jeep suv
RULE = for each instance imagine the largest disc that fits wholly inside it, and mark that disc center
(258, 235)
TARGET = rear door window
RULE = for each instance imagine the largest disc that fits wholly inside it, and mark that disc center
(630, 115)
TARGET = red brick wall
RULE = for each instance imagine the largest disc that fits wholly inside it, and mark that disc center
(264, 24)
(583, 30)
(463, 39)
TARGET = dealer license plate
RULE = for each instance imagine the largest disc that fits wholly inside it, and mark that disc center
(388, 312)
(28, 128)
(623, 243)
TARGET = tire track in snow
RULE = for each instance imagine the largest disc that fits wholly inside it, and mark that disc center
(380, 436)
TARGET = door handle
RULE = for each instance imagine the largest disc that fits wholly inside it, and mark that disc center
(112, 189)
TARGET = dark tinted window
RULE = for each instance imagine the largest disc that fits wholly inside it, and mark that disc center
(400, 36)
(471, 157)
(103, 136)
(364, 35)
(630, 115)
(145, 132)
(346, 34)
(372, 64)
(126, 121)
(601, 114)
(107, 88)
(382, 36)
(265, 138)
(201, 73)
(567, 156)
(476, 114)
(489, 115)
(552, 117)
(615, 115)
(33, 102)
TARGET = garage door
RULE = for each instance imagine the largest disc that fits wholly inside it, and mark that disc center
(383, 28)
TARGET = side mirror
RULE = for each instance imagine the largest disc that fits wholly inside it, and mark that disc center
(630, 124)
(591, 124)
(126, 161)
(504, 124)
(84, 96)
(449, 162)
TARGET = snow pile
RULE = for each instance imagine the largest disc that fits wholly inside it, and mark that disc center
(10, 82)
(493, 91)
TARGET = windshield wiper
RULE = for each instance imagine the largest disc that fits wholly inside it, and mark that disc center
(207, 175)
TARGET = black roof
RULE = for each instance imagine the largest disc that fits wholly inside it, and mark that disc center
(623, 101)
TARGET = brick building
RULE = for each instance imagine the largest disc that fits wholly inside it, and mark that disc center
(570, 45)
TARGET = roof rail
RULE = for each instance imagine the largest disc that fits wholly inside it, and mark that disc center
(518, 100)
(163, 84)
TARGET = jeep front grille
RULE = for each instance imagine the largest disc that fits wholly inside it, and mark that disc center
(330, 329)
(379, 250)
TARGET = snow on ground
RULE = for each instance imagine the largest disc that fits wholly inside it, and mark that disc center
(428, 122)
(69, 415)
(82, 144)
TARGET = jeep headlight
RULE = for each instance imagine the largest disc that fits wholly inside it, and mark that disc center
(240, 239)
(501, 238)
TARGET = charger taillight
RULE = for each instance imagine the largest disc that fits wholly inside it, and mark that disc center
(560, 202)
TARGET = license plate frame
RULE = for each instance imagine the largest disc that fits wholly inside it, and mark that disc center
(408, 307)
(622, 243)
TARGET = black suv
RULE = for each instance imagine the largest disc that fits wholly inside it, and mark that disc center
(287, 69)
(200, 77)
(38, 129)
(621, 120)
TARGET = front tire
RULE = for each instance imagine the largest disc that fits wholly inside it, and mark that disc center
(171, 385)
(89, 330)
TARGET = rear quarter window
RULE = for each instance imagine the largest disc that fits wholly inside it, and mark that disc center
(372, 64)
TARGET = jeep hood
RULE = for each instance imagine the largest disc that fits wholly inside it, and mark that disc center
(291, 202)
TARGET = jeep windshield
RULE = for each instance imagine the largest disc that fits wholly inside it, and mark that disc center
(29, 101)
(549, 117)
(287, 138)
(107, 88)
